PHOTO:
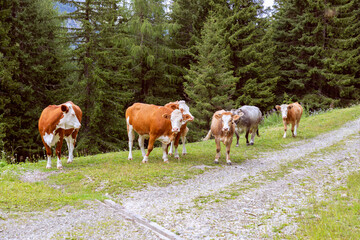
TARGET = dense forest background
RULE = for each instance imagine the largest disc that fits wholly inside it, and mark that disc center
(106, 55)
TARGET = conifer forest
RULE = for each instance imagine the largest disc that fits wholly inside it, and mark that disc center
(214, 54)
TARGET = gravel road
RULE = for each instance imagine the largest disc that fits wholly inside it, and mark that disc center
(257, 199)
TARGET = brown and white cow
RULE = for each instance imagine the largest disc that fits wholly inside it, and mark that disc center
(223, 128)
(153, 122)
(183, 130)
(56, 123)
(290, 114)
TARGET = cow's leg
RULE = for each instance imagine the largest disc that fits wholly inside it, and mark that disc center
(237, 137)
(131, 136)
(228, 146)
(149, 149)
(70, 143)
(247, 136)
(171, 148)
(165, 152)
(293, 129)
(48, 154)
(218, 148)
(285, 128)
(183, 140)
(253, 133)
(58, 151)
(141, 141)
(176, 145)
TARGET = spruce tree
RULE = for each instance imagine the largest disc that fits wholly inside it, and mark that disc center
(153, 60)
(33, 61)
(102, 80)
(244, 32)
(209, 79)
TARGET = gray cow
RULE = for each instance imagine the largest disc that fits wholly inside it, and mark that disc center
(249, 122)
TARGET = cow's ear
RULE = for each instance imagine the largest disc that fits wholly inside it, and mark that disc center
(290, 106)
(236, 117)
(64, 108)
(173, 106)
(167, 116)
(218, 116)
(187, 117)
(277, 107)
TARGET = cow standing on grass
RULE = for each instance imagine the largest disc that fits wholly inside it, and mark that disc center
(183, 130)
(290, 114)
(153, 122)
(56, 123)
(223, 128)
(249, 121)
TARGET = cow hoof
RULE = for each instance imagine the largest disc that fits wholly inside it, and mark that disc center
(251, 143)
(178, 158)
(48, 167)
(60, 167)
(237, 145)
(129, 158)
(229, 163)
(144, 161)
(166, 161)
(184, 154)
(170, 154)
(69, 162)
(216, 162)
(247, 144)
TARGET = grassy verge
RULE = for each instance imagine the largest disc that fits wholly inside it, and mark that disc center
(335, 219)
(106, 175)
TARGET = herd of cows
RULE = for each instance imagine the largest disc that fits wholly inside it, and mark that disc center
(164, 123)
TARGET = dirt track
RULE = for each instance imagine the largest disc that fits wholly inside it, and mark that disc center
(256, 199)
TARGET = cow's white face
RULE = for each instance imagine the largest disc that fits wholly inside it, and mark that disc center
(176, 118)
(69, 119)
(284, 110)
(186, 110)
(226, 122)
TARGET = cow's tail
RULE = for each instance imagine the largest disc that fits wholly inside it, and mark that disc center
(207, 136)
(257, 132)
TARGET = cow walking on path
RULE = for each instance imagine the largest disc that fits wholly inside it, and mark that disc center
(290, 114)
(183, 130)
(56, 123)
(153, 122)
(223, 128)
(249, 122)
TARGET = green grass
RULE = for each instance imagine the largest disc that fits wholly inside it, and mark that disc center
(97, 176)
(338, 218)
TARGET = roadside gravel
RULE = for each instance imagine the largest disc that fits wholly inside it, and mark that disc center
(259, 198)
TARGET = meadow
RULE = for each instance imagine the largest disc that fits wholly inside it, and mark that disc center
(32, 187)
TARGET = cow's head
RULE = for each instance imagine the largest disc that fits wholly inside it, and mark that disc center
(237, 112)
(186, 110)
(227, 119)
(69, 119)
(284, 109)
(176, 118)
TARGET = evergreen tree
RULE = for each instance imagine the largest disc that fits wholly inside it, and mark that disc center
(153, 60)
(209, 79)
(308, 37)
(244, 32)
(344, 59)
(32, 59)
(102, 79)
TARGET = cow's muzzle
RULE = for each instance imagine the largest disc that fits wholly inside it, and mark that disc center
(175, 130)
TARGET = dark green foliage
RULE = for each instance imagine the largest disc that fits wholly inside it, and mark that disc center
(213, 54)
(210, 80)
(31, 69)
(314, 52)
